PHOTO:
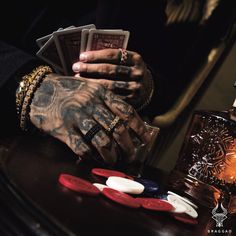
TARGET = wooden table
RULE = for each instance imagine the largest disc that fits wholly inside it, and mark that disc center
(30, 166)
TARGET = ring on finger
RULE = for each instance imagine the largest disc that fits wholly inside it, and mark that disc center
(113, 124)
(123, 56)
(92, 132)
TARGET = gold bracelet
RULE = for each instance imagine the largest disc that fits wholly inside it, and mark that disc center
(23, 87)
(21, 90)
(31, 84)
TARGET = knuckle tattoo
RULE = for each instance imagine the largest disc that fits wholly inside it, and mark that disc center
(123, 70)
(130, 111)
(101, 140)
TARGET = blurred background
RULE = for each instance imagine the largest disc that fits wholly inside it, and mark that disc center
(204, 33)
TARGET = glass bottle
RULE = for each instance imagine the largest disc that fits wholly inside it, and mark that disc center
(206, 166)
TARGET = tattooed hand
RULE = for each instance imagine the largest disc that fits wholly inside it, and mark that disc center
(131, 79)
(68, 107)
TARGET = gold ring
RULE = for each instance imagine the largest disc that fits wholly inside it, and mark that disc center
(113, 124)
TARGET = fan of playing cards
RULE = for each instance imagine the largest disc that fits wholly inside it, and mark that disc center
(62, 48)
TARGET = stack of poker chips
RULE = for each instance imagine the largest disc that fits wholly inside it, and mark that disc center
(133, 193)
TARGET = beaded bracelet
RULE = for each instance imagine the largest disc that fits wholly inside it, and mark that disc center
(25, 92)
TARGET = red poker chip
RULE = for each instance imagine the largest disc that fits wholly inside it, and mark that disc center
(185, 219)
(107, 173)
(155, 204)
(79, 185)
(121, 198)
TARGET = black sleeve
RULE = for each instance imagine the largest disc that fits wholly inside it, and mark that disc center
(14, 63)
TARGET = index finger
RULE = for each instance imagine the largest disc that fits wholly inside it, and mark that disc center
(110, 55)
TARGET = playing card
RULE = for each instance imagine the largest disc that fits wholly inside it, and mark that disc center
(68, 46)
(84, 40)
(101, 39)
(48, 52)
(42, 40)
(63, 47)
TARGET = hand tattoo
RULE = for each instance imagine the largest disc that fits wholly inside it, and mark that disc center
(68, 107)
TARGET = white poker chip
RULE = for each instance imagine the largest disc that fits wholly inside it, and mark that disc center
(178, 208)
(124, 185)
(100, 186)
(189, 209)
(184, 199)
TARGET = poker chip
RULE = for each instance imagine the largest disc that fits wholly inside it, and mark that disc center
(186, 220)
(155, 204)
(178, 208)
(149, 185)
(121, 198)
(184, 199)
(100, 186)
(189, 209)
(125, 185)
(77, 184)
(107, 173)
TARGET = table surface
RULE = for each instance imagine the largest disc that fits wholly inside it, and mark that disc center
(33, 163)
